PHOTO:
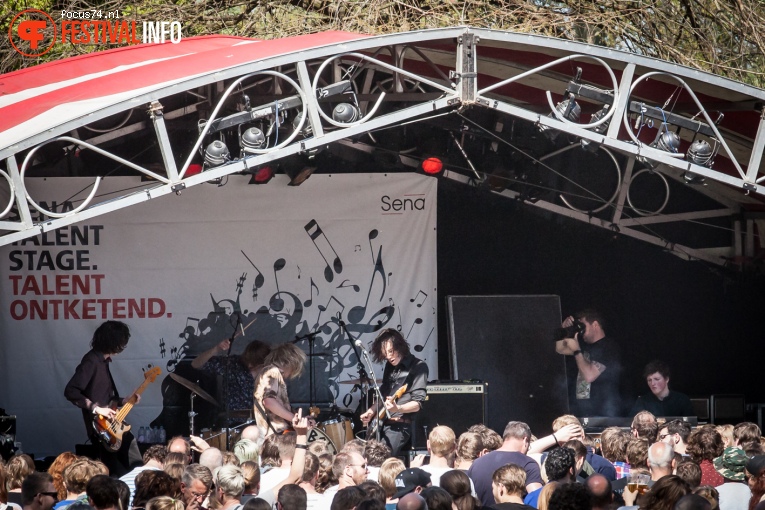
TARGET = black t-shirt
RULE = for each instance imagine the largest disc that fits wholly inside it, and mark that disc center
(675, 404)
(602, 396)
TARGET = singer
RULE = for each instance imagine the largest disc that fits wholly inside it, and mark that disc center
(401, 367)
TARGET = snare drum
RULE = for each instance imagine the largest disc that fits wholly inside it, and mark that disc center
(340, 431)
(217, 438)
(316, 434)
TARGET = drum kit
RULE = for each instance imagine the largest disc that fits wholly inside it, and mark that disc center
(336, 432)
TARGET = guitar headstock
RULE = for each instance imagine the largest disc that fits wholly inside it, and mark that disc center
(152, 374)
(314, 412)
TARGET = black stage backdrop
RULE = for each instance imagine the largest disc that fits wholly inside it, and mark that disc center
(703, 320)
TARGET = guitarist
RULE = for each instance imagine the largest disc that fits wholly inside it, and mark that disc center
(92, 389)
(401, 367)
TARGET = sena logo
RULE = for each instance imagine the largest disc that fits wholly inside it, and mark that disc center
(399, 205)
(32, 33)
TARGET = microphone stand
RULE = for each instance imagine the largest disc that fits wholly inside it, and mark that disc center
(227, 383)
(363, 375)
(311, 337)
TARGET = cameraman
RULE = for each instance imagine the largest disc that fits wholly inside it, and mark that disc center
(593, 365)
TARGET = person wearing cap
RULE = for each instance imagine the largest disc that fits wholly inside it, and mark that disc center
(755, 475)
(734, 493)
(411, 480)
(401, 368)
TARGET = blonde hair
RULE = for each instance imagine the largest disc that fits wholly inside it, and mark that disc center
(544, 496)
(442, 441)
(566, 419)
(726, 431)
(230, 459)
(512, 477)
(164, 503)
(288, 357)
(18, 468)
(388, 473)
(175, 470)
(78, 474)
(245, 450)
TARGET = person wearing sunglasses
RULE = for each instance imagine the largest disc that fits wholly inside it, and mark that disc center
(38, 492)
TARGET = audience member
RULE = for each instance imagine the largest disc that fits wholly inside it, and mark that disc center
(544, 496)
(38, 491)
(442, 444)
(211, 458)
(164, 503)
(124, 494)
(570, 496)
(613, 447)
(746, 436)
(692, 502)
(437, 498)
(644, 425)
(457, 483)
(309, 479)
(252, 433)
(411, 502)
(690, 472)
(594, 463)
(637, 458)
(251, 474)
(387, 477)
(327, 477)
(509, 485)
(660, 460)
(565, 428)
(734, 493)
(704, 445)
(347, 498)
(469, 448)
(665, 493)
(675, 433)
(350, 469)
(291, 497)
(516, 440)
(179, 444)
(56, 470)
(726, 432)
(710, 494)
(601, 493)
(150, 484)
(490, 440)
(153, 458)
(560, 466)
(354, 445)
(411, 480)
(285, 445)
(257, 504)
(16, 471)
(76, 478)
(373, 490)
(245, 450)
(195, 486)
(103, 493)
(375, 452)
(755, 469)
(229, 486)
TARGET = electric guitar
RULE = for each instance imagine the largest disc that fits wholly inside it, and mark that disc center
(110, 431)
(379, 421)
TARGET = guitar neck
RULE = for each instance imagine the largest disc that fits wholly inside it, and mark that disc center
(123, 412)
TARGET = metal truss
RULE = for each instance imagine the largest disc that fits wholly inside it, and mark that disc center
(388, 81)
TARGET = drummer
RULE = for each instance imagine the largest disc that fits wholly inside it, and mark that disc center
(272, 409)
(241, 370)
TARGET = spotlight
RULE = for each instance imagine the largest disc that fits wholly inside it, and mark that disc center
(587, 144)
(432, 166)
(693, 179)
(700, 153)
(569, 109)
(307, 130)
(346, 113)
(216, 154)
(262, 175)
(251, 139)
(666, 140)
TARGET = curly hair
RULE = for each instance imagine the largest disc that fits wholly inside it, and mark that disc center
(570, 495)
(559, 463)
(637, 453)
(17, 469)
(326, 477)
(690, 472)
(56, 470)
(705, 443)
(397, 341)
(78, 474)
(375, 452)
(747, 436)
(111, 337)
(613, 444)
(150, 484)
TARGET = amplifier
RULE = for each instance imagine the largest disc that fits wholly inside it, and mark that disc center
(457, 404)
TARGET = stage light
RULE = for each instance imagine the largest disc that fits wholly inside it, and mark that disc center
(694, 179)
(666, 140)
(194, 169)
(346, 113)
(569, 109)
(262, 175)
(216, 154)
(700, 153)
(432, 166)
(602, 128)
(251, 139)
(307, 130)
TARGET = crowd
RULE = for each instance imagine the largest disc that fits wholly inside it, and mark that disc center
(652, 466)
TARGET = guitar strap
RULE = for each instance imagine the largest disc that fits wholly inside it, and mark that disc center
(265, 415)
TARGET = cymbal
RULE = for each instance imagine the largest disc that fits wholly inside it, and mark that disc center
(359, 381)
(194, 388)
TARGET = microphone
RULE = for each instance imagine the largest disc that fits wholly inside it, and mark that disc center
(360, 344)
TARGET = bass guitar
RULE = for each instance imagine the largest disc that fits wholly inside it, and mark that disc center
(379, 420)
(110, 431)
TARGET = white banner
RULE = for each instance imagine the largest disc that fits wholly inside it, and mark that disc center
(359, 248)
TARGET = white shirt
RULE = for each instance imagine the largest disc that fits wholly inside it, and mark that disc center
(273, 477)
(734, 496)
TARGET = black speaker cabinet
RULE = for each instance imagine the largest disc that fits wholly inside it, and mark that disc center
(455, 404)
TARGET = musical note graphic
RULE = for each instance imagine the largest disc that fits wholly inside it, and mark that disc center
(392, 304)
(309, 302)
(314, 231)
(343, 285)
(416, 321)
(419, 348)
(277, 303)
(324, 308)
(259, 280)
(372, 235)
(162, 347)
(356, 314)
(415, 298)
(299, 272)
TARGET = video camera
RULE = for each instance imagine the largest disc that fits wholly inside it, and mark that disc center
(569, 332)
